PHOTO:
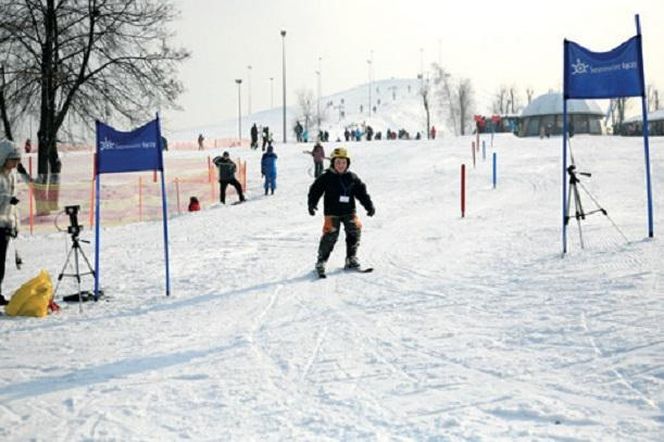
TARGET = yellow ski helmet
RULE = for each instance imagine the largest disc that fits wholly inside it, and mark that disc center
(339, 152)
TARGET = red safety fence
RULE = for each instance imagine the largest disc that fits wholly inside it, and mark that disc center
(125, 198)
(214, 143)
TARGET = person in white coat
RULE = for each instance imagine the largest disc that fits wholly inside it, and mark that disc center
(10, 157)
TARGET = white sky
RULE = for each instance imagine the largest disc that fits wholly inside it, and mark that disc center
(492, 42)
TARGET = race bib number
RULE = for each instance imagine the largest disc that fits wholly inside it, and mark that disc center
(344, 199)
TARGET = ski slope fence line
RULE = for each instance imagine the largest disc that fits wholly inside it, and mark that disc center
(214, 143)
(125, 198)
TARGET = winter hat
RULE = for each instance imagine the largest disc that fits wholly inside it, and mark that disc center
(8, 151)
(225, 154)
(270, 148)
(339, 152)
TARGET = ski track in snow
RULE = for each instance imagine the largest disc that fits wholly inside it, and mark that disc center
(468, 329)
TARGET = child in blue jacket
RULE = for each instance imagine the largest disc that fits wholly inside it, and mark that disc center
(269, 169)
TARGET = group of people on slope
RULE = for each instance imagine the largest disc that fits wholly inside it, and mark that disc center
(338, 187)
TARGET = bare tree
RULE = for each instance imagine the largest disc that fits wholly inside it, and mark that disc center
(529, 93)
(425, 92)
(86, 58)
(455, 96)
(514, 101)
(465, 102)
(306, 102)
(443, 81)
(653, 97)
(501, 101)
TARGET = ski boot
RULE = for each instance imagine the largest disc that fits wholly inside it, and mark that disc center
(352, 263)
(320, 269)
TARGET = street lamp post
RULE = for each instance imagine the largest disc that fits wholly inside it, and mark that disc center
(249, 90)
(319, 72)
(283, 73)
(318, 102)
(370, 85)
(271, 93)
(239, 111)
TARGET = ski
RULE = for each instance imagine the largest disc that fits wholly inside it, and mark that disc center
(359, 269)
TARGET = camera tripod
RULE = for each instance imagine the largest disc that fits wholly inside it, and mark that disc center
(75, 250)
(579, 214)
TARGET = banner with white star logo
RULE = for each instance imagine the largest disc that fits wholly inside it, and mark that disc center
(615, 73)
(132, 151)
(140, 149)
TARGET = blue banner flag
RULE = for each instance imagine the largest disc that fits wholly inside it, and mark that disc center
(616, 73)
(132, 151)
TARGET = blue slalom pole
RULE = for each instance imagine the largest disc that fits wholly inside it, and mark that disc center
(164, 207)
(97, 236)
(494, 170)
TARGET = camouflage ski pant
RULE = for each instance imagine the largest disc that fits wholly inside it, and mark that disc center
(353, 228)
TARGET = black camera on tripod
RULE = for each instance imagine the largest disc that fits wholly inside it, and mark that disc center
(571, 170)
(74, 228)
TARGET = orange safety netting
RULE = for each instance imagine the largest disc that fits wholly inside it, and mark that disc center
(124, 198)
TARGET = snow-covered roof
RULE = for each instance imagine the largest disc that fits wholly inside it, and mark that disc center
(552, 104)
(657, 115)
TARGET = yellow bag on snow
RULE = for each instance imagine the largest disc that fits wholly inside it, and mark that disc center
(32, 298)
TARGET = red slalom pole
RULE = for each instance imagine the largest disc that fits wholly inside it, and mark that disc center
(463, 191)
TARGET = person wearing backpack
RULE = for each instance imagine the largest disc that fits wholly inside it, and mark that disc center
(227, 168)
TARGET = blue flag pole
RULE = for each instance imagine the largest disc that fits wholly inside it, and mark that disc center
(564, 175)
(164, 207)
(97, 233)
(646, 143)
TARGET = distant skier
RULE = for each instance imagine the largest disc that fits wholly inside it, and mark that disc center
(269, 169)
(227, 168)
(340, 187)
(266, 137)
(318, 153)
(254, 136)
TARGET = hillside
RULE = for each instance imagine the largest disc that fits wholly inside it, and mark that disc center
(470, 328)
(397, 103)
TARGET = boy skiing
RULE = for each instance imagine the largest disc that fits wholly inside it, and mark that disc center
(340, 187)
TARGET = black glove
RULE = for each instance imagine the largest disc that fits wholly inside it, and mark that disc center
(371, 211)
(312, 210)
(13, 201)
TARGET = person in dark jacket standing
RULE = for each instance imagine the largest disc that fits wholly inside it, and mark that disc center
(227, 169)
(340, 187)
(269, 169)
(318, 153)
(254, 136)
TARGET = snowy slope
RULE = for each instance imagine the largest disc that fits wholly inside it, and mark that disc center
(397, 102)
(469, 329)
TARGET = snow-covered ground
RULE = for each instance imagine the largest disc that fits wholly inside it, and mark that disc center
(469, 329)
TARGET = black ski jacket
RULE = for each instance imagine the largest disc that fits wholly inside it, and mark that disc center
(226, 168)
(337, 189)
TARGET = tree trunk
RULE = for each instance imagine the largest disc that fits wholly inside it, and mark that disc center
(6, 125)
(48, 163)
